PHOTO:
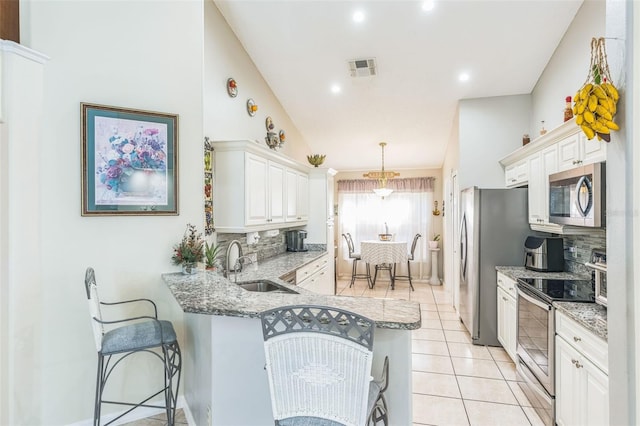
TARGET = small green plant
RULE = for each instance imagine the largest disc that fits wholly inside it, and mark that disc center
(436, 237)
(211, 254)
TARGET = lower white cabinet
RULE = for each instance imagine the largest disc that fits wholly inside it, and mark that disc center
(582, 387)
(316, 276)
(507, 314)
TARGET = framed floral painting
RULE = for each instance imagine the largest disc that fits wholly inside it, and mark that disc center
(129, 161)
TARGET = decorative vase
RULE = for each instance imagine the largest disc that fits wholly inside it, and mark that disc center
(189, 268)
(433, 244)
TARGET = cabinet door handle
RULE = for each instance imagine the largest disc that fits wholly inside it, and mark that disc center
(576, 363)
(504, 298)
(500, 281)
(510, 288)
(576, 339)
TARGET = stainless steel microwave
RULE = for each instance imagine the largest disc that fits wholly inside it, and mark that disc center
(577, 196)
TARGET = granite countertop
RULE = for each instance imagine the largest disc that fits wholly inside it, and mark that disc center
(516, 272)
(209, 293)
(590, 315)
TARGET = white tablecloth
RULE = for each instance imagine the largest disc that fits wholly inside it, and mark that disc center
(377, 252)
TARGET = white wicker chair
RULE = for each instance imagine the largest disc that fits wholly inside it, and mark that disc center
(319, 367)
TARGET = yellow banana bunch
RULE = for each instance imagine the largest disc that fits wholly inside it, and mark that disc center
(594, 107)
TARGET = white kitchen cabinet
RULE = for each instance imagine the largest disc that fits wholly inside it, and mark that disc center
(297, 187)
(541, 165)
(582, 386)
(507, 315)
(316, 276)
(577, 151)
(517, 174)
(250, 188)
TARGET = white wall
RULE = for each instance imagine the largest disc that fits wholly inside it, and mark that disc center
(567, 69)
(490, 128)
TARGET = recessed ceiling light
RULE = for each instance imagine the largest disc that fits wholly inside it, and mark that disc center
(464, 76)
(336, 89)
(358, 16)
(428, 5)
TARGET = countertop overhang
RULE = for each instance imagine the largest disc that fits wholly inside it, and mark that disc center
(209, 293)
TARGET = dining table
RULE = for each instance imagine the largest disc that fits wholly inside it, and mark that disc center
(384, 254)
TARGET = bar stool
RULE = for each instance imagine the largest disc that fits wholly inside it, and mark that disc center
(318, 362)
(356, 256)
(409, 259)
(143, 335)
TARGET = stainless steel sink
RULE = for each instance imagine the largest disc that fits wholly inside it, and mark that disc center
(263, 286)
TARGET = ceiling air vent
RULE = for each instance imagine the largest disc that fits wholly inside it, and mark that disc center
(363, 67)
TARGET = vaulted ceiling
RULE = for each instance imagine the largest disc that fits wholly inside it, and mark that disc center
(302, 49)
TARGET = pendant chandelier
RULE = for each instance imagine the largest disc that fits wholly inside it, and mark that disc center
(382, 177)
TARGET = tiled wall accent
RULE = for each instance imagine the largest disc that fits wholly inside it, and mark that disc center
(265, 248)
(583, 245)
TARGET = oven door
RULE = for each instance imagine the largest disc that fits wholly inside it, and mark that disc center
(536, 329)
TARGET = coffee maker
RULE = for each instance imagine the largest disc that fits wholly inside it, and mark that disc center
(295, 240)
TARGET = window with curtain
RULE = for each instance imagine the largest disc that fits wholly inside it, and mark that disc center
(407, 212)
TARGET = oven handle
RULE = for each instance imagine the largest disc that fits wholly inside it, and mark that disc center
(596, 266)
(531, 299)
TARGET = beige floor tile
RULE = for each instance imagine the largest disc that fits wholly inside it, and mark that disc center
(457, 336)
(453, 325)
(429, 307)
(429, 347)
(486, 368)
(499, 354)
(435, 384)
(449, 316)
(428, 334)
(431, 323)
(431, 363)
(445, 307)
(491, 414)
(533, 417)
(468, 350)
(429, 314)
(520, 396)
(489, 390)
(508, 370)
(436, 410)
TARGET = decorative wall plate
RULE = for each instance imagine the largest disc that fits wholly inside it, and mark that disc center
(269, 124)
(252, 107)
(232, 88)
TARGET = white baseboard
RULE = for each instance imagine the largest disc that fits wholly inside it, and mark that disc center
(139, 414)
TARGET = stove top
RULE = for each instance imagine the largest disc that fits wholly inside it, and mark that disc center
(563, 290)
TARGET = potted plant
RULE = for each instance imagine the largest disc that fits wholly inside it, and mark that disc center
(211, 255)
(189, 251)
(433, 243)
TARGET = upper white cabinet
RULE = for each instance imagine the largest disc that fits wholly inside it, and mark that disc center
(560, 149)
(251, 188)
(576, 151)
(297, 185)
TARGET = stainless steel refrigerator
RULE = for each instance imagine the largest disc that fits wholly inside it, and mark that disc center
(494, 225)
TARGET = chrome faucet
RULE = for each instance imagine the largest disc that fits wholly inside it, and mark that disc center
(240, 261)
(227, 269)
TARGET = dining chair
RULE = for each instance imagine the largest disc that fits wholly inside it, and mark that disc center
(142, 334)
(318, 363)
(356, 257)
(410, 257)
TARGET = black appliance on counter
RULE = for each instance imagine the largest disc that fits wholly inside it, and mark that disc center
(544, 254)
(536, 333)
(295, 240)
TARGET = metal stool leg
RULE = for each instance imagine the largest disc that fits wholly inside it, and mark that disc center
(353, 271)
(409, 273)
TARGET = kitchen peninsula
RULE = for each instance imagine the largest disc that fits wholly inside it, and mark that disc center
(225, 382)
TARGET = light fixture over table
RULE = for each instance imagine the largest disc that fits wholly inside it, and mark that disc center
(382, 177)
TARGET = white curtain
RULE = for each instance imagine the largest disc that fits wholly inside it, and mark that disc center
(406, 212)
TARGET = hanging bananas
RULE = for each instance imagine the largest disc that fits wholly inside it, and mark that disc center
(595, 103)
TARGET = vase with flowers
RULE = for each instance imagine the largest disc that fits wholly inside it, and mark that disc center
(188, 252)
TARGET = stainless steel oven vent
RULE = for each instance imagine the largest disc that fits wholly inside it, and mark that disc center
(363, 67)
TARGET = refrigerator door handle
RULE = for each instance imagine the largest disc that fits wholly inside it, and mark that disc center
(463, 247)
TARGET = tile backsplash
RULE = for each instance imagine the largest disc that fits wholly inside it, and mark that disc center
(583, 245)
(265, 248)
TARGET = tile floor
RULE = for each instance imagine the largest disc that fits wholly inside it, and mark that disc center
(454, 382)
